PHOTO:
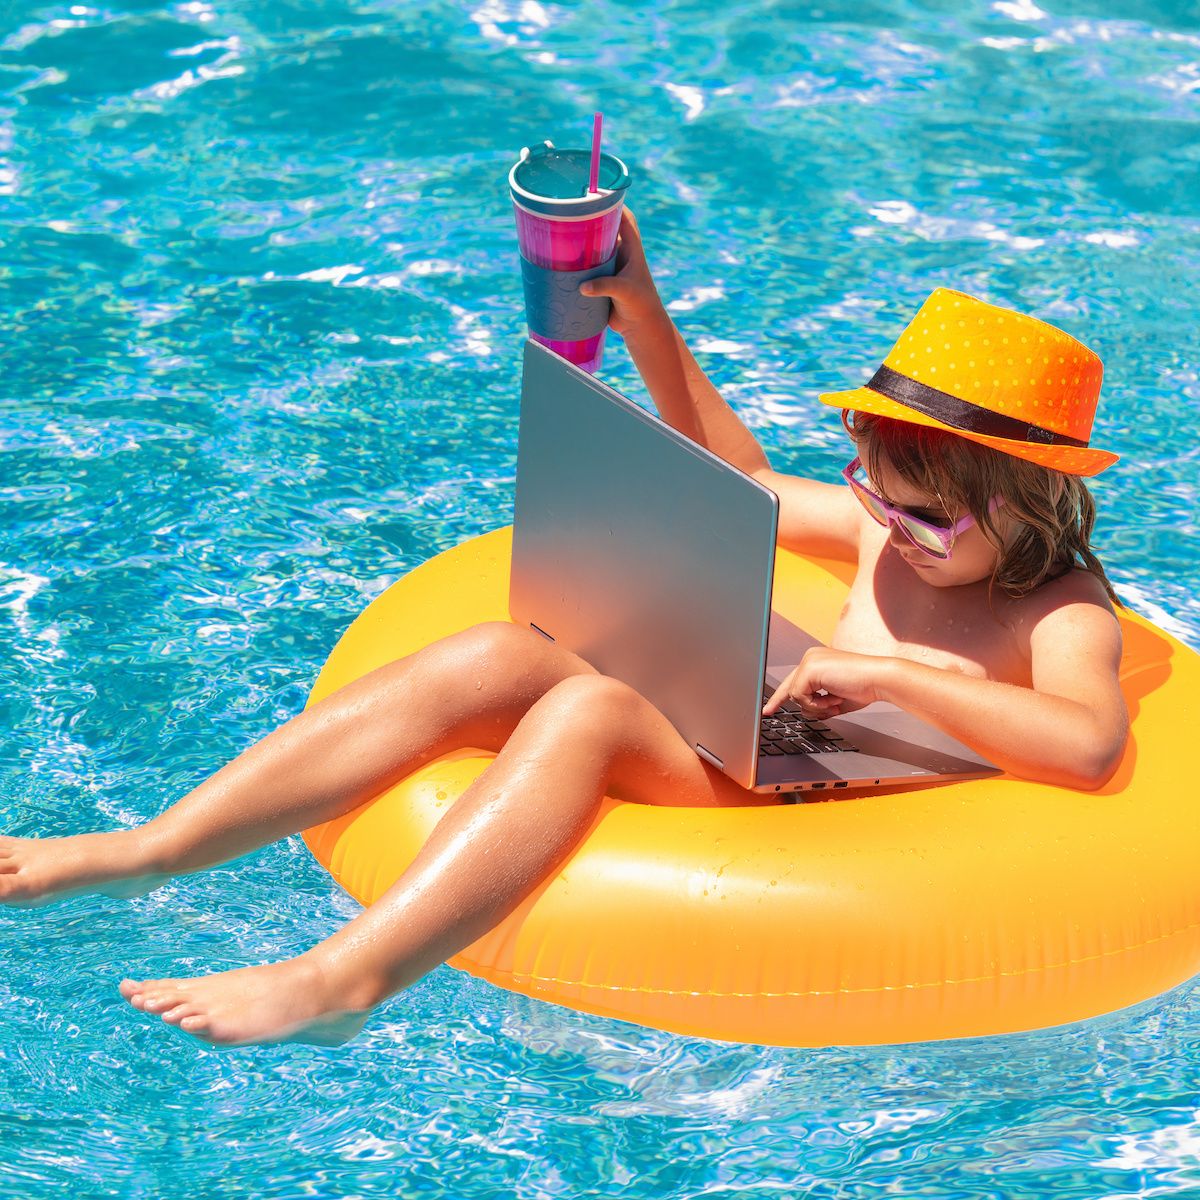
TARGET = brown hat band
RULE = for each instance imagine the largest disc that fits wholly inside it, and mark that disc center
(961, 414)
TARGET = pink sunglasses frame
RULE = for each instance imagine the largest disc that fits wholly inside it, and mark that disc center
(945, 534)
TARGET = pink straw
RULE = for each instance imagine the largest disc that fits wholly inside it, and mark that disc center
(594, 178)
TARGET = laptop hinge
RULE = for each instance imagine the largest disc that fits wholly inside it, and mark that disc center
(542, 632)
(710, 757)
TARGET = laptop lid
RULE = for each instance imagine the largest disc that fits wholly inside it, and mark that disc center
(653, 559)
(645, 554)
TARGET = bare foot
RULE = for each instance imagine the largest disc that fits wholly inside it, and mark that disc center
(290, 1001)
(36, 871)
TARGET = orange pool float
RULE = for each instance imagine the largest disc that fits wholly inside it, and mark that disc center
(948, 911)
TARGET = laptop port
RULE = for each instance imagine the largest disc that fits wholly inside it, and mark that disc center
(844, 783)
(817, 787)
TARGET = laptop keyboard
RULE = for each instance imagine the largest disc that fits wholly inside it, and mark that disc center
(789, 731)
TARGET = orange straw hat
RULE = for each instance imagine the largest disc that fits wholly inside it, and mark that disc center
(992, 375)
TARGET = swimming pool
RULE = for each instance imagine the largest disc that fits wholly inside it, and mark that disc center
(262, 307)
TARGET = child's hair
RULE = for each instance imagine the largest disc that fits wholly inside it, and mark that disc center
(1055, 511)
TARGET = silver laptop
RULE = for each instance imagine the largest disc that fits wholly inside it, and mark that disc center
(653, 559)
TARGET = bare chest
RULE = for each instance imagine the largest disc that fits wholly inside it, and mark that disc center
(889, 611)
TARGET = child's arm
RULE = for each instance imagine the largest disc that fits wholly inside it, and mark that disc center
(1069, 728)
(815, 518)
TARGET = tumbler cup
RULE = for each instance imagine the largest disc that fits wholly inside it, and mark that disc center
(566, 234)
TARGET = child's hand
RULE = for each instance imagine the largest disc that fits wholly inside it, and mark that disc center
(632, 291)
(828, 683)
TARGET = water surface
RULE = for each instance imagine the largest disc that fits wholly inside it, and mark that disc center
(262, 328)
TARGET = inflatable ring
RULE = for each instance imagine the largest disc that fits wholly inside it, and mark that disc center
(934, 912)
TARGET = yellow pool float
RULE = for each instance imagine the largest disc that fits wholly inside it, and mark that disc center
(948, 911)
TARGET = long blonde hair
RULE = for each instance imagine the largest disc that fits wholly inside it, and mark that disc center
(1054, 512)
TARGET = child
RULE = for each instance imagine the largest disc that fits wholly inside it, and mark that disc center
(977, 604)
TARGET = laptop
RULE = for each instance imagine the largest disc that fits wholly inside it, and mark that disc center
(653, 559)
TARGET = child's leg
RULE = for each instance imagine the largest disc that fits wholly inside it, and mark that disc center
(470, 689)
(587, 736)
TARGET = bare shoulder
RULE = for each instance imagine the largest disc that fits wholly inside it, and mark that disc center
(822, 519)
(1074, 636)
(1076, 595)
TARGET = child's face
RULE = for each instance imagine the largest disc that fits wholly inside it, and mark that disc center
(973, 558)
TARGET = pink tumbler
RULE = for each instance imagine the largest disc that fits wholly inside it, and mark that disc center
(567, 234)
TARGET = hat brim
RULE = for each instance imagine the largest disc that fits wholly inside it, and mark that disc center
(1071, 460)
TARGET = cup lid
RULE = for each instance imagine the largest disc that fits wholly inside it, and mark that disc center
(547, 179)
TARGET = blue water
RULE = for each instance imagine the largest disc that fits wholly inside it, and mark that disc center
(260, 329)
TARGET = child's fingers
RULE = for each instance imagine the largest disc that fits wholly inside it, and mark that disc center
(628, 229)
(622, 255)
(603, 285)
(780, 694)
(812, 705)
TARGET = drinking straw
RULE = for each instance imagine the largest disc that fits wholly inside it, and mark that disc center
(594, 178)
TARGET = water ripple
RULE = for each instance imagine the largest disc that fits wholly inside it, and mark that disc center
(264, 321)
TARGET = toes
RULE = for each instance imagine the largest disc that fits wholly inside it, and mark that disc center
(130, 987)
(196, 1024)
(137, 989)
(154, 995)
(173, 1016)
(159, 1002)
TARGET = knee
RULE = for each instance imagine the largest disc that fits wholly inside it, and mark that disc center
(597, 702)
(501, 642)
(508, 665)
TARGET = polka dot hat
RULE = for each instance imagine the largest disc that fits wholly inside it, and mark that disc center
(994, 376)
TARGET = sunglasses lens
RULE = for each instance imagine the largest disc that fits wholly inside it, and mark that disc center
(924, 538)
(869, 502)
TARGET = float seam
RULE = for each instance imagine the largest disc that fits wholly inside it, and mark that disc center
(523, 978)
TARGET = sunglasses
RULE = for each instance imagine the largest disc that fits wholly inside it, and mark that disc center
(934, 539)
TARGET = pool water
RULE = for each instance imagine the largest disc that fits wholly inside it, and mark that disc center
(262, 331)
